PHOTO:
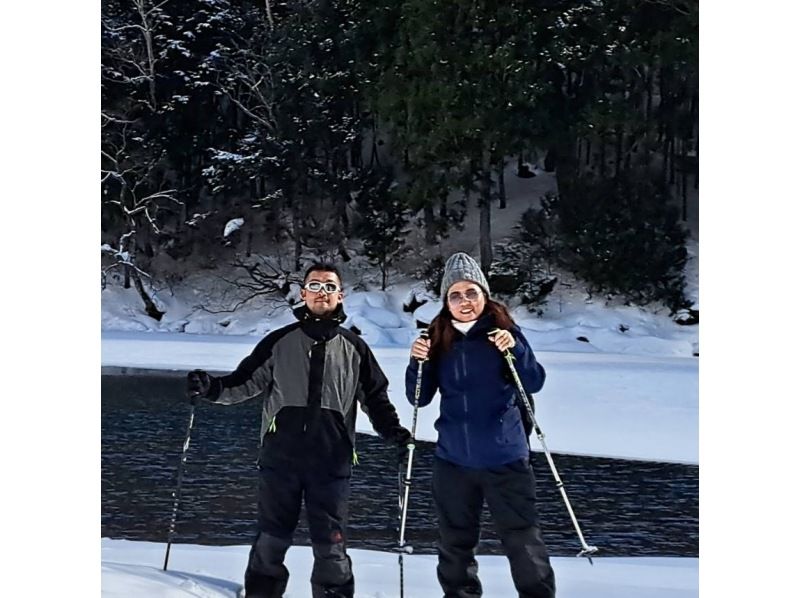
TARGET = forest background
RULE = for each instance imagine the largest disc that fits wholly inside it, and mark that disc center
(51, 61)
(263, 136)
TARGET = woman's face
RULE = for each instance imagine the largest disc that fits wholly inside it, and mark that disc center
(466, 301)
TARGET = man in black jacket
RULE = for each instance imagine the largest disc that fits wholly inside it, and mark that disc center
(310, 376)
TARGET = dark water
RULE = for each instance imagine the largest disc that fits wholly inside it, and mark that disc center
(626, 508)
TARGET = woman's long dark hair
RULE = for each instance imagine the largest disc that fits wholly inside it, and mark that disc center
(442, 332)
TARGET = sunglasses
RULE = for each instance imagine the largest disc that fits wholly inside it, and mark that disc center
(328, 287)
(457, 298)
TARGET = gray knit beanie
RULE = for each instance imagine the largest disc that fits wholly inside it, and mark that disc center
(461, 266)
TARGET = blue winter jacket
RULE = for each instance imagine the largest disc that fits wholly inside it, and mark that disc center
(480, 423)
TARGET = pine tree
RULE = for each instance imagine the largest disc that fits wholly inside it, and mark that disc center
(384, 223)
(457, 91)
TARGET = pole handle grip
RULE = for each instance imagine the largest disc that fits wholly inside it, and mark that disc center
(423, 335)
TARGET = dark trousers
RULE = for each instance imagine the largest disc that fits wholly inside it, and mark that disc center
(510, 494)
(280, 493)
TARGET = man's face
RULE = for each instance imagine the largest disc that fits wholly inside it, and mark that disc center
(324, 301)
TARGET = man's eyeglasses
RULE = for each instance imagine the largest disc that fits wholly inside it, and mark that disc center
(315, 287)
(457, 298)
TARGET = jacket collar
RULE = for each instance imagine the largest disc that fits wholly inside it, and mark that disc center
(483, 325)
(319, 328)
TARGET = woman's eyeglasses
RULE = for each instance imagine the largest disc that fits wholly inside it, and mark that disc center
(315, 287)
(457, 298)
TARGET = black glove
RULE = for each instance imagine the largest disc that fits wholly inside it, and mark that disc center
(198, 384)
(402, 439)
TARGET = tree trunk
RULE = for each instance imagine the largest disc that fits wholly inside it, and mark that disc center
(342, 195)
(567, 167)
(343, 253)
(374, 158)
(147, 33)
(550, 160)
(602, 155)
(274, 215)
(629, 151)
(296, 228)
(298, 248)
(357, 146)
(648, 113)
(355, 151)
(684, 182)
(501, 178)
(430, 223)
(149, 306)
(485, 211)
(618, 161)
(672, 159)
(269, 14)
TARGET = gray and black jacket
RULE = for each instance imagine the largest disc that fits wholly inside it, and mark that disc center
(310, 376)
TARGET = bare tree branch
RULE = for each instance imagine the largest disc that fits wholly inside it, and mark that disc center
(247, 111)
(113, 119)
(679, 7)
(262, 278)
(277, 303)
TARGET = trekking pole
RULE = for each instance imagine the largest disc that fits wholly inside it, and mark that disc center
(177, 494)
(406, 482)
(587, 550)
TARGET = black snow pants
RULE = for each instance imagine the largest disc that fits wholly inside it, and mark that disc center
(280, 492)
(510, 494)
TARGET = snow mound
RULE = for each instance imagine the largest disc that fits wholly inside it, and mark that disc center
(571, 323)
(428, 311)
(123, 581)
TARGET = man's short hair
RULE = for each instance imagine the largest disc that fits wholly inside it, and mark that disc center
(323, 267)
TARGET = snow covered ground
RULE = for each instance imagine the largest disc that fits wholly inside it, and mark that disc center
(135, 569)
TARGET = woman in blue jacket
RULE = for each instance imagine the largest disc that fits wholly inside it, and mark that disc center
(482, 449)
